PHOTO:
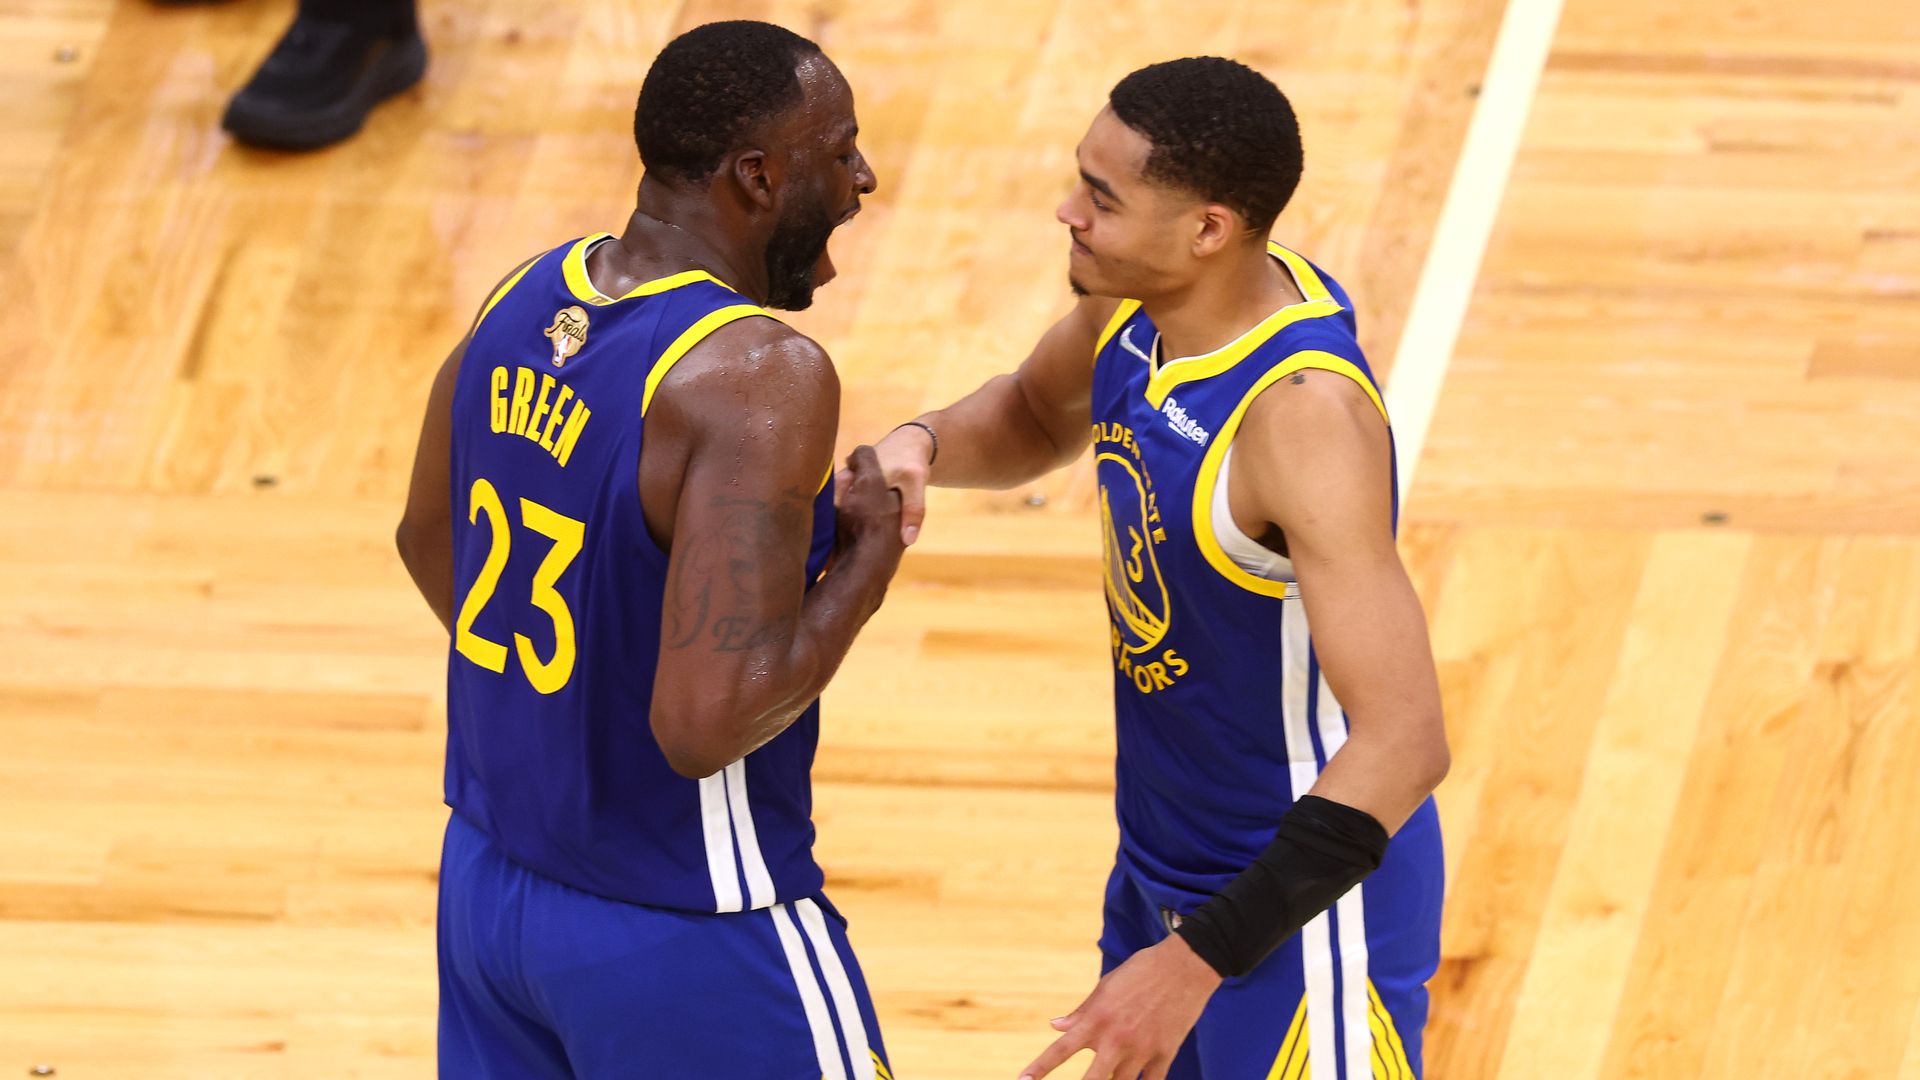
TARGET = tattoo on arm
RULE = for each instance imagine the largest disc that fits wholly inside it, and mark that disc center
(718, 591)
(736, 634)
(1298, 378)
(690, 594)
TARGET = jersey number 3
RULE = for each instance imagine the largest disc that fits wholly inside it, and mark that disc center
(567, 534)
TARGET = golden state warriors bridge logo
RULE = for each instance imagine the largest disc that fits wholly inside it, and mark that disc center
(1138, 603)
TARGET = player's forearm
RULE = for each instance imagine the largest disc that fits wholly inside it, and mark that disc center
(752, 677)
(1374, 651)
(1396, 752)
(1331, 839)
(1320, 849)
(1388, 778)
(830, 620)
(992, 439)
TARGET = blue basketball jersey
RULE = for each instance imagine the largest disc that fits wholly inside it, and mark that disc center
(1223, 719)
(559, 589)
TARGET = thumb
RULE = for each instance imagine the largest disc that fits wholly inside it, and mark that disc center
(913, 511)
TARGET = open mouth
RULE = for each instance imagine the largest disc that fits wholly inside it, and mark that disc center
(824, 270)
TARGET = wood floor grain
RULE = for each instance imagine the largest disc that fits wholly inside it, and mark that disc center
(1665, 526)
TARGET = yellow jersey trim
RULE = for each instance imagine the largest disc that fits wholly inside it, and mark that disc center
(1120, 316)
(690, 337)
(1304, 275)
(574, 269)
(1203, 533)
(879, 1067)
(1318, 303)
(500, 293)
(1291, 1062)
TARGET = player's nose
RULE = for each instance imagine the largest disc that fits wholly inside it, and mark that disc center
(864, 180)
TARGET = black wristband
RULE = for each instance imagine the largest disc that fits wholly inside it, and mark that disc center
(932, 435)
(1321, 850)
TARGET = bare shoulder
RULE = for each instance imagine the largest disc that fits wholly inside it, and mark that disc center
(1313, 410)
(1314, 456)
(759, 361)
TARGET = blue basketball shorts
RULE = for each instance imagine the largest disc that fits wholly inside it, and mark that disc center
(539, 980)
(1343, 999)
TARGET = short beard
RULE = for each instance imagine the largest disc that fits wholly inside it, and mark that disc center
(793, 251)
(1078, 289)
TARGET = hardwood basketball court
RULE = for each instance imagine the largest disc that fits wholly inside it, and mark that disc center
(1664, 522)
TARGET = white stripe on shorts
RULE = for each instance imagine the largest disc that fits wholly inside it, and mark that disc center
(826, 1046)
(844, 1003)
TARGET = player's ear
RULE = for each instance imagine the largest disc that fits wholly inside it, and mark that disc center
(1214, 229)
(749, 172)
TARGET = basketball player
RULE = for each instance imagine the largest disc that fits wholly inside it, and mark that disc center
(1247, 492)
(620, 510)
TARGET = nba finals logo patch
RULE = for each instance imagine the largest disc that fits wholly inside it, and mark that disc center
(568, 333)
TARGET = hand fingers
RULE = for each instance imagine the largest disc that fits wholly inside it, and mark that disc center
(1051, 1058)
(913, 511)
(1100, 1070)
(863, 462)
(841, 480)
(1062, 1023)
(1158, 1068)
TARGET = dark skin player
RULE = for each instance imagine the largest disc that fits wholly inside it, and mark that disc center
(735, 445)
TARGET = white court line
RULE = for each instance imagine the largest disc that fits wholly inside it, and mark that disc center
(1466, 221)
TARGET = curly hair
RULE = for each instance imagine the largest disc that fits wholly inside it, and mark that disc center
(1217, 128)
(709, 88)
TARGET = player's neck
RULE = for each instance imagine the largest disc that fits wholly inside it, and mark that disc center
(1222, 304)
(668, 234)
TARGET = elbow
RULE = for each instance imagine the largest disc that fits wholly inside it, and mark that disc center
(689, 752)
(407, 539)
(1437, 761)
(693, 766)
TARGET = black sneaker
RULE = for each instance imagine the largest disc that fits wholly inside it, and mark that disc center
(318, 84)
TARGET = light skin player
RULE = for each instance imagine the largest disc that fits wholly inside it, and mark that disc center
(1311, 479)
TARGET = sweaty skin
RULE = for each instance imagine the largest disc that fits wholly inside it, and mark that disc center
(734, 449)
